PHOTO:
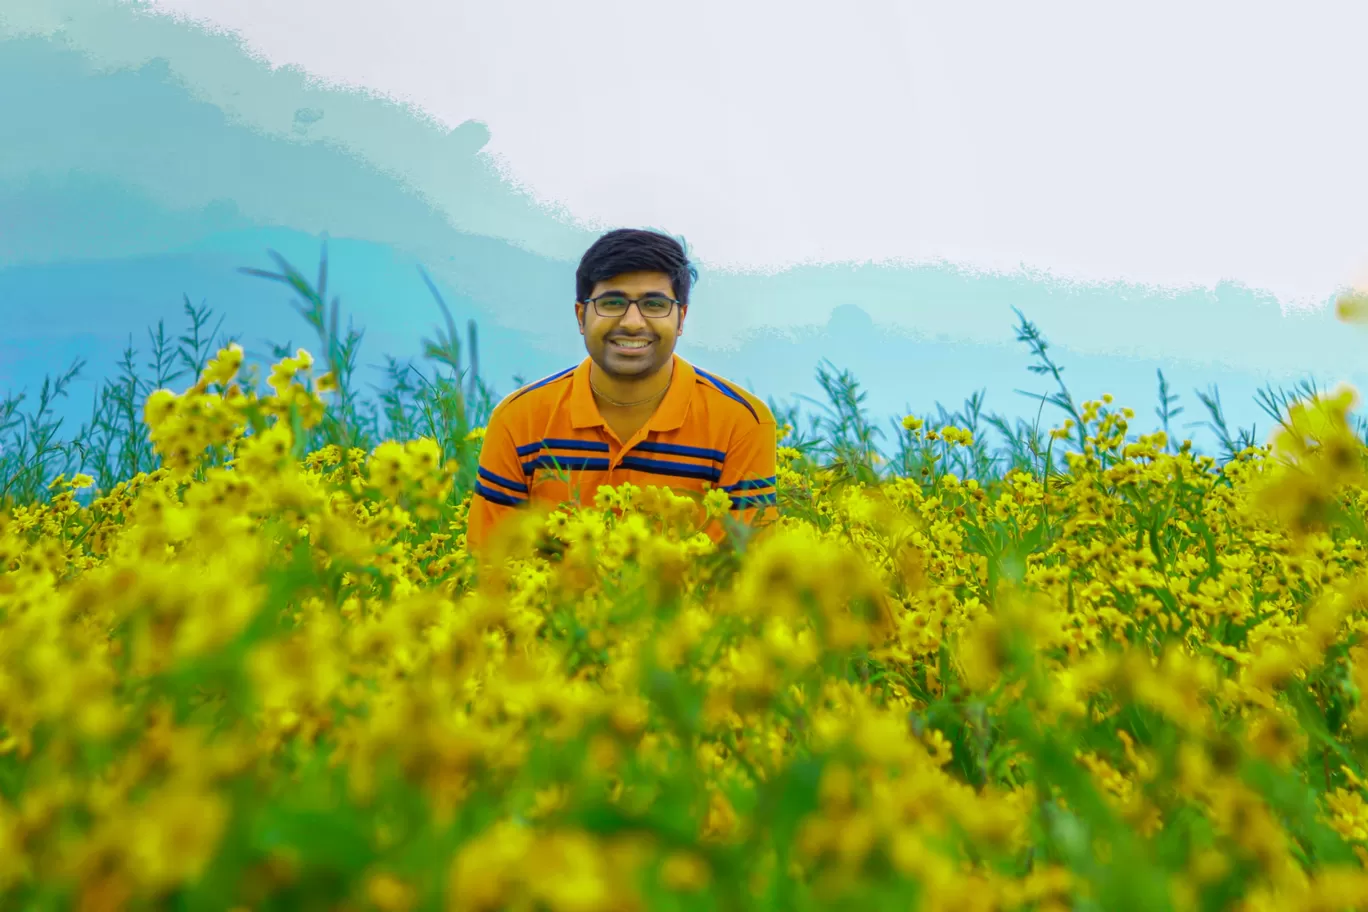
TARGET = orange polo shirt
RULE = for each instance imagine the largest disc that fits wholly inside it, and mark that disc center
(547, 442)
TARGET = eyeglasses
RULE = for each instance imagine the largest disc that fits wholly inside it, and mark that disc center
(652, 306)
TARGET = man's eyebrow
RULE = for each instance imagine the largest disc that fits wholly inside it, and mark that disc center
(619, 291)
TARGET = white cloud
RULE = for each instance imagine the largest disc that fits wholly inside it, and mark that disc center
(1170, 144)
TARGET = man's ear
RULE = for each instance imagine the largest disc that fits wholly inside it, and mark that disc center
(683, 312)
(579, 316)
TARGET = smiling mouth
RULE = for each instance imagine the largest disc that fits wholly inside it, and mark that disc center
(630, 345)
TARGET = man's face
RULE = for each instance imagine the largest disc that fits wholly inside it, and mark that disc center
(602, 335)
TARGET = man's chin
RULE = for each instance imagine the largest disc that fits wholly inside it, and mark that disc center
(625, 367)
(619, 371)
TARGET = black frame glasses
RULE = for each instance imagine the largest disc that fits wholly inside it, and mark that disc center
(655, 295)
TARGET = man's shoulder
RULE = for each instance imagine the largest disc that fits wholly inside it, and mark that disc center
(533, 397)
(733, 397)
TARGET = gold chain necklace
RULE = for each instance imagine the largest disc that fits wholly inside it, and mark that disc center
(614, 402)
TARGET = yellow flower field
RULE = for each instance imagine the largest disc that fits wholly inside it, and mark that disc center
(259, 678)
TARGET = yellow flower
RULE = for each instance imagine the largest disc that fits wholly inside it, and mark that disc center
(224, 367)
(941, 751)
(389, 894)
(388, 468)
(160, 405)
(572, 874)
(263, 454)
(485, 870)
(173, 836)
(684, 872)
(424, 456)
(717, 503)
(1352, 306)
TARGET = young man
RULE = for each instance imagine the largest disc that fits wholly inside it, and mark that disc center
(633, 410)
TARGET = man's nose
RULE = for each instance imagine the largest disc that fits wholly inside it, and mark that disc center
(633, 316)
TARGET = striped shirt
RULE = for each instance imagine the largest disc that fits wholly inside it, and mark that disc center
(547, 442)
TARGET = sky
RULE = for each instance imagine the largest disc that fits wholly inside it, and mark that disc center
(1167, 144)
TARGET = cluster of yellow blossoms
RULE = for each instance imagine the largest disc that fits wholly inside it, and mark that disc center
(262, 678)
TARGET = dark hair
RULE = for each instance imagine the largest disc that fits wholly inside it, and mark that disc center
(635, 250)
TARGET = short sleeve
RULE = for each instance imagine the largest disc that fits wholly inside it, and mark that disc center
(500, 486)
(748, 475)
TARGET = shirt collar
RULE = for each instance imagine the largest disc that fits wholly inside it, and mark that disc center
(669, 415)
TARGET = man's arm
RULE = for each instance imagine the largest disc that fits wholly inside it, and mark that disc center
(748, 475)
(500, 486)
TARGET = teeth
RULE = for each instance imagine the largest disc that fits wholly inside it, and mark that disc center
(623, 343)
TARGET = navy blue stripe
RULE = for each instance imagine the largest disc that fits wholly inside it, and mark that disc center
(759, 500)
(675, 449)
(566, 463)
(727, 391)
(504, 482)
(564, 443)
(753, 484)
(498, 497)
(558, 443)
(542, 382)
(667, 467)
